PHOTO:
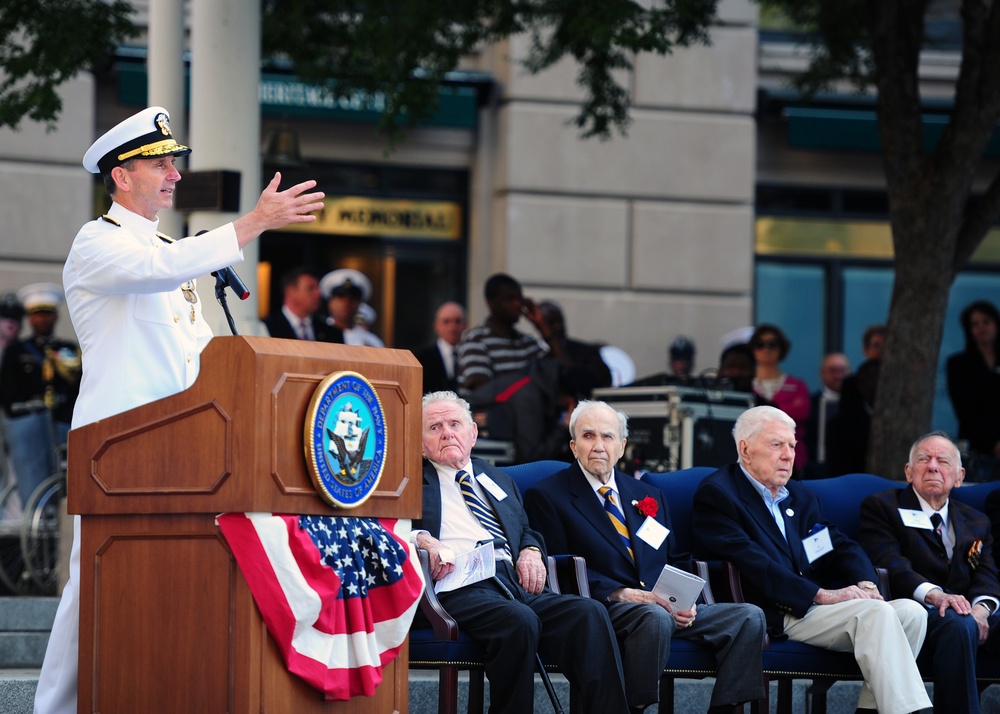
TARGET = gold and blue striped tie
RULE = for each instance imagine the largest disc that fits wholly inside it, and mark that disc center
(617, 517)
(481, 510)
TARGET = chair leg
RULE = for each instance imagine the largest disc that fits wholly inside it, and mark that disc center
(575, 700)
(784, 696)
(816, 691)
(448, 690)
(666, 695)
(762, 705)
(477, 691)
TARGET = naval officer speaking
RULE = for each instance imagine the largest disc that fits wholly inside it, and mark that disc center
(131, 296)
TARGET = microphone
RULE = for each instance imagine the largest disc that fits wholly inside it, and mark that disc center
(230, 278)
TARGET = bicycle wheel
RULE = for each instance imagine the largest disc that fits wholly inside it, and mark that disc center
(40, 533)
(13, 573)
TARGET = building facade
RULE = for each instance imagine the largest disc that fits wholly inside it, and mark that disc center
(727, 202)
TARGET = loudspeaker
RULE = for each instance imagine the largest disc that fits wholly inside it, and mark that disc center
(209, 191)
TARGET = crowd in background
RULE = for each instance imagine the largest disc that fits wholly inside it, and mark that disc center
(523, 386)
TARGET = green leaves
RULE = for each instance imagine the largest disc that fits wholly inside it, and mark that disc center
(43, 43)
(404, 48)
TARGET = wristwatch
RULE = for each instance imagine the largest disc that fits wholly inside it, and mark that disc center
(867, 585)
(989, 605)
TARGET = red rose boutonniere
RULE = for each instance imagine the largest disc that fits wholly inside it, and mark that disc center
(647, 506)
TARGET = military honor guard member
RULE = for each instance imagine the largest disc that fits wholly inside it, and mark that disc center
(39, 384)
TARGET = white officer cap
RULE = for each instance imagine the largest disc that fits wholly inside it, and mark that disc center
(143, 135)
(40, 297)
(344, 281)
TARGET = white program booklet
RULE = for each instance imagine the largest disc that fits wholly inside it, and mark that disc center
(478, 564)
(678, 587)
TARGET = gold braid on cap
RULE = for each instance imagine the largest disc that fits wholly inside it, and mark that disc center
(158, 148)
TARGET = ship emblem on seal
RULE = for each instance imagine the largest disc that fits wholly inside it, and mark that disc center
(345, 439)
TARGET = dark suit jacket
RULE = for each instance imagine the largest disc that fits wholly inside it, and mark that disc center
(435, 374)
(732, 523)
(509, 511)
(572, 520)
(975, 396)
(279, 326)
(813, 468)
(914, 556)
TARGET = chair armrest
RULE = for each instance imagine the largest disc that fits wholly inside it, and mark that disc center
(883, 582)
(568, 574)
(444, 625)
(732, 578)
(701, 570)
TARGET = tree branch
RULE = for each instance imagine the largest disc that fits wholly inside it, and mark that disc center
(897, 30)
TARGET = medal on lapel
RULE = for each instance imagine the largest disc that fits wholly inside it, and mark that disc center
(973, 555)
(190, 295)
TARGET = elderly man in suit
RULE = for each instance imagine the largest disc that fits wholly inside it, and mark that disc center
(467, 501)
(579, 511)
(813, 582)
(440, 358)
(940, 553)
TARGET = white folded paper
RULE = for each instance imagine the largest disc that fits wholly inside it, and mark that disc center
(679, 588)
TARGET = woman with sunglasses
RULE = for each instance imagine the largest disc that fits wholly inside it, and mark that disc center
(789, 394)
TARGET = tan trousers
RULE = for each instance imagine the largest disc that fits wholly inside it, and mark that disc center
(885, 638)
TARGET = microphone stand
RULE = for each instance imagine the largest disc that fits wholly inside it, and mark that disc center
(220, 295)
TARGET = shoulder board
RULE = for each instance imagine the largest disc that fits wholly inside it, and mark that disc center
(110, 220)
(165, 238)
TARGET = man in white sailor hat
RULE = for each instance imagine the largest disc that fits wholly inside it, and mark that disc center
(344, 290)
(130, 292)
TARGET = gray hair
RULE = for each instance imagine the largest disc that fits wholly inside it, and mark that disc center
(931, 435)
(109, 182)
(436, 397)
(750, 422)
(588, 405)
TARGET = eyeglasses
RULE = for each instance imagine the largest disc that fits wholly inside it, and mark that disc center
(766, 345)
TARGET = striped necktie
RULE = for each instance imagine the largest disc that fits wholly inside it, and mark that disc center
(481, 510)
(617, 517)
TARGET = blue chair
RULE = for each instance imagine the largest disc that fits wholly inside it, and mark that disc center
(840, 498)
(527, 475)
(975, 494)
(444, 647)
(987, 665)
(679, 487)
(784, 661)
(688, 660)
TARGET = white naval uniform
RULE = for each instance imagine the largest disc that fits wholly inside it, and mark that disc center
(362, 337)
(139, 344)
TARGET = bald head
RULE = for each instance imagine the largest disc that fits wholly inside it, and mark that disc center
(449, 322)
(833, 369)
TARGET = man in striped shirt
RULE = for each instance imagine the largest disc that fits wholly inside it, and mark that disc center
(497, 348)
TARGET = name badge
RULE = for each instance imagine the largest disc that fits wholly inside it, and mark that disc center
(652, 532)
(491, 486)
(915, 519)
(817, 544)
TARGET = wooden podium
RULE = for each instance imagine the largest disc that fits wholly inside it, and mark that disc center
(167, 622)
